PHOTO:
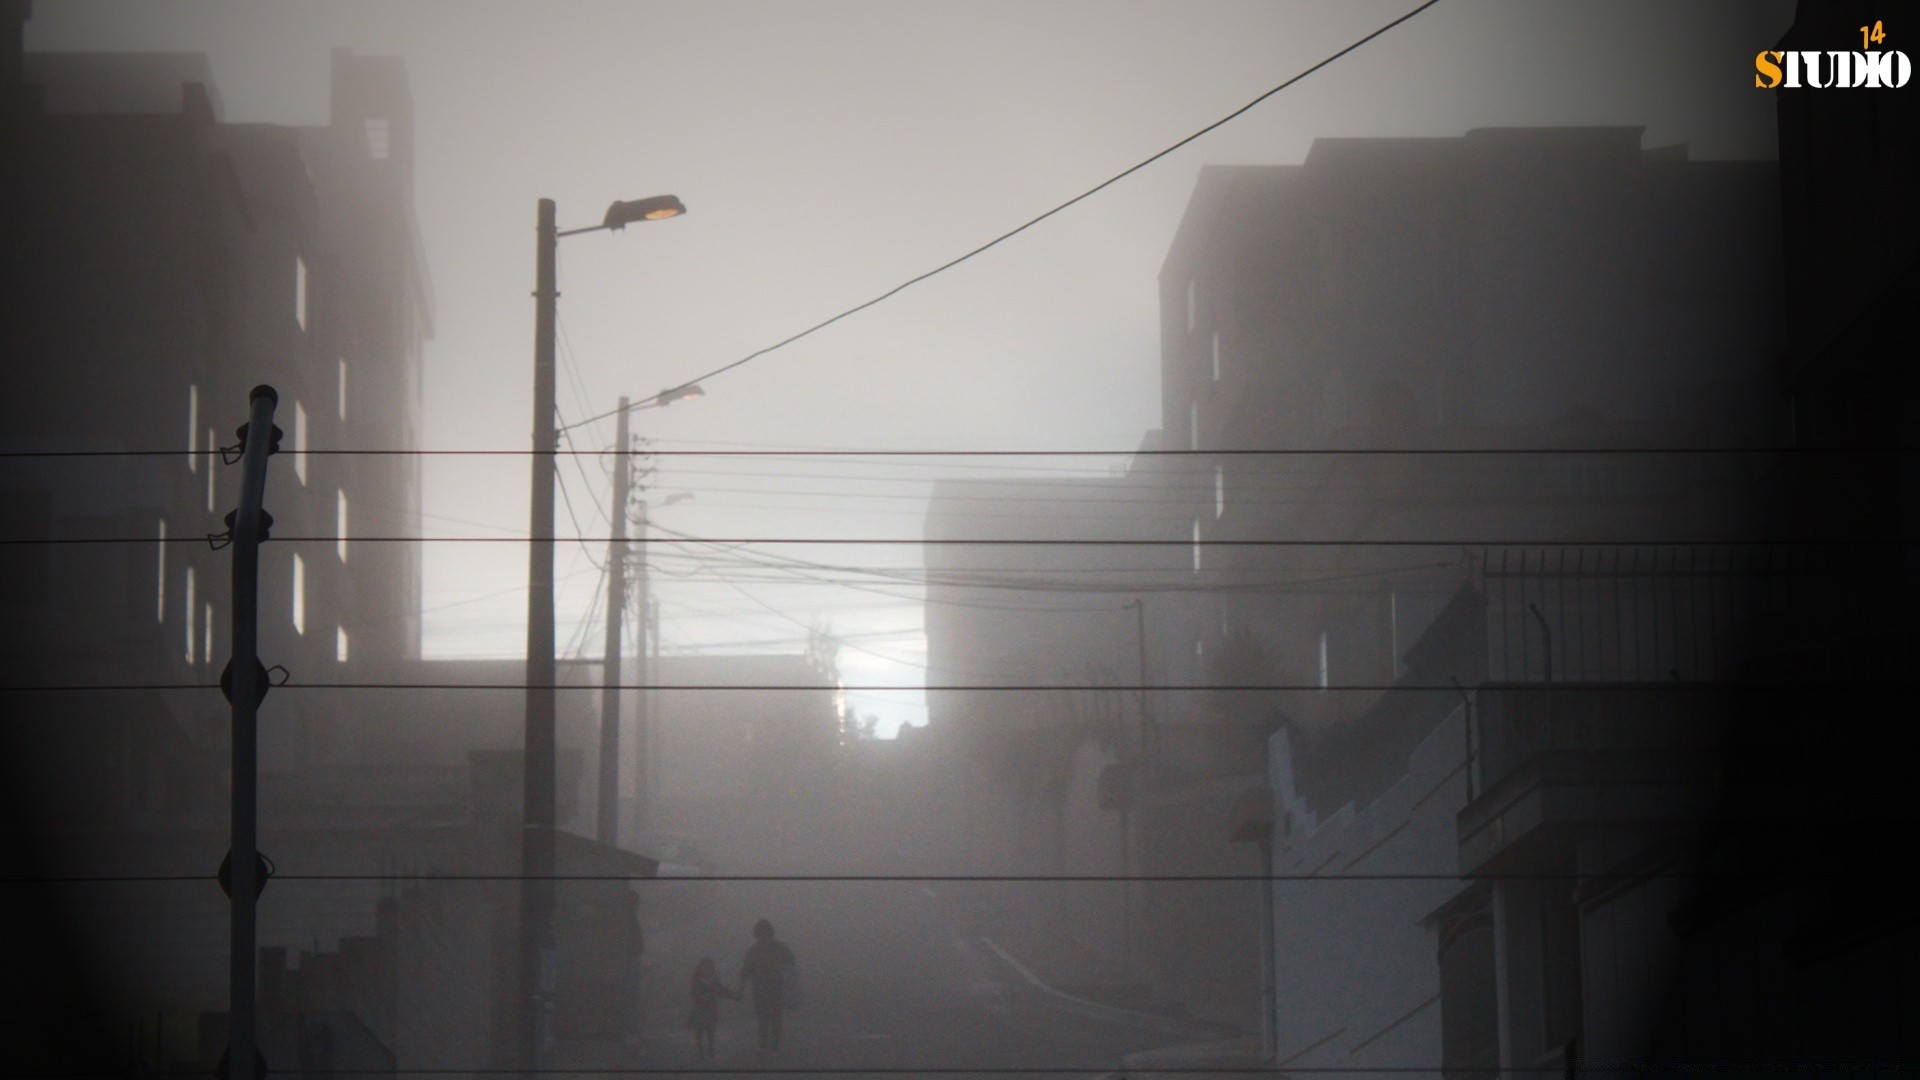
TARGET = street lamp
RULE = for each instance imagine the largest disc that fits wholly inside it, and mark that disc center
(657, 208)
(535, 977)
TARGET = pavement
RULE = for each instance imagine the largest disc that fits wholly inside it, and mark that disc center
(894, 985)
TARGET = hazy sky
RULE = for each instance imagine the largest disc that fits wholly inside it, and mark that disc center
(826, 152)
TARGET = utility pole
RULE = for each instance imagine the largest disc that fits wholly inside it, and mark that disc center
(535, 977)
(245, 682)
(647, 635)
(608, 824)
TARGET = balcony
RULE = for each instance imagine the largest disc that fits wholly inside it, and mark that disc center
(1559, 760)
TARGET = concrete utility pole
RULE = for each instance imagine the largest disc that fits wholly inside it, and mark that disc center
(647, 630)
(538, 956)
(534, 979)
(608, 824)
(245, 683)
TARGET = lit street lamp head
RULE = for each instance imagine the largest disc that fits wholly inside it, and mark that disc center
(659, 207)
(668, 397)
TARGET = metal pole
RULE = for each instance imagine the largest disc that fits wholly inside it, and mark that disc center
(608, 826)
(535, 975)
(246, 685)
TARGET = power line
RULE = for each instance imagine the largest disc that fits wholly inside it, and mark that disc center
(1563, 687)
(1661, 1065)
(1296, 451)
(1002, 541)
(1030, 223)
(1003, 879)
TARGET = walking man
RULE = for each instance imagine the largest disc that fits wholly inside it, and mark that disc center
(769, 966)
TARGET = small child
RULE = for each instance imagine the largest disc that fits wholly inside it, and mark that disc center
(707, 990)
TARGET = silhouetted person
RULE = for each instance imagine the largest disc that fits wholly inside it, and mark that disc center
(769, 966)
(707, 990)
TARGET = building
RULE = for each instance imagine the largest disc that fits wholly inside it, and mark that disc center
(159, 262)
(162, 262)
(1668, 792)
(1544, 307)
(1511, 289)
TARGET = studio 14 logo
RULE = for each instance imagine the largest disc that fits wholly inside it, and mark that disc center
(1836, 69)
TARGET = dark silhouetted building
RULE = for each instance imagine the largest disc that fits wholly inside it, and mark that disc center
(160, 262)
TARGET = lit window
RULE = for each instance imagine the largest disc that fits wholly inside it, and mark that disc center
(160, 587)
(299, 594)
(1219, 490)
(1193, 425)
(300, 441)
(378, 138)
(1325, 678)
(206, 635)
(343, 388)
(188, 613)
(1216, 356)
(193, 429)
(300, 291)
(340, 526)
(1196, 543)
(210, 472)
(342, 648)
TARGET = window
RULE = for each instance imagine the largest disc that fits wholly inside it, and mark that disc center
(1216, 356)
(188, 613)
(300, 291)
(1196, 545)
(1326, 673)
(1192, 307)
(193, 430)
(300, 441)
(299, 594)
(343, 388)
(1219, 491)
(160, 578)
(379, 138)
(210, 472)
(340, 526)
(1193, 425)
(342, 648)
(206, 634)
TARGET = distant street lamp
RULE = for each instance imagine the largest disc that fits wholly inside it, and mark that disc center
(536, 952)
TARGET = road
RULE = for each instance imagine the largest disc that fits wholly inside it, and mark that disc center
(894, 983)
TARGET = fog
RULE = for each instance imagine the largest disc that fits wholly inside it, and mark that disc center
(1341, 597)
(828, 153)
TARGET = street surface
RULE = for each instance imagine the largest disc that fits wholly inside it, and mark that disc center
(891, 982)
